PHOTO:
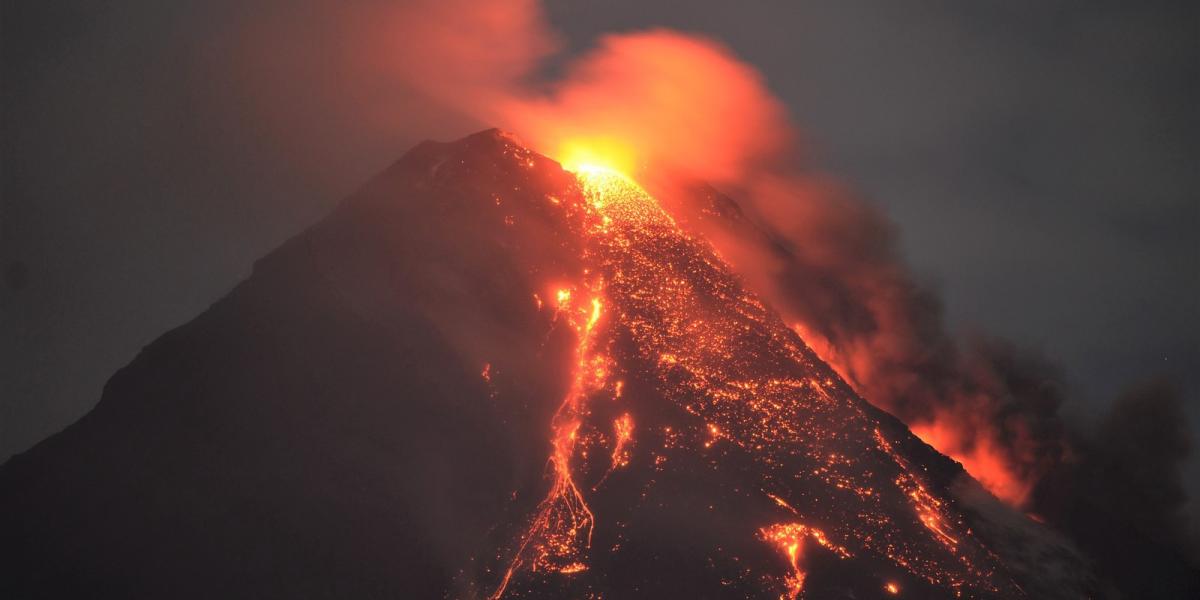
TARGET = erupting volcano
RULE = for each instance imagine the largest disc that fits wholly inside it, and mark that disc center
(485, 376)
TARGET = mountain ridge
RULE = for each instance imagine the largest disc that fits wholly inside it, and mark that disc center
(367, 414)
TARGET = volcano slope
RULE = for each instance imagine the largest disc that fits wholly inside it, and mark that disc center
(485, 377)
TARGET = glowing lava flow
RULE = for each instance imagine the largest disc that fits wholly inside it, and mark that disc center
(789, 538)
(561, 530)
(749, 397)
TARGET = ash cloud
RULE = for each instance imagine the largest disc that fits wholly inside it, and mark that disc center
(1121, 496)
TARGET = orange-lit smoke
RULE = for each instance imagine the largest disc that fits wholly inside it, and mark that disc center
(659, 98)
(982, 457)
(832, 266)
(651, 99)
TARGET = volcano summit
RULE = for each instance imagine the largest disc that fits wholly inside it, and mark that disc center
(483, 376)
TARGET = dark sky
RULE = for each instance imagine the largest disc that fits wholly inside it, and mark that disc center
(1041, 159)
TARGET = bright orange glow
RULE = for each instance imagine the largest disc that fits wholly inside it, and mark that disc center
(573, 568)
(891, 588)
(983, 459)
(822, 347)
(595, 316)
(655, 99)
(597, 154)
(789, 539)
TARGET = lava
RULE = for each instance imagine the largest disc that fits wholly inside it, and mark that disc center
(561, 530)
(746, 388)
(622, 436)
(790, 539)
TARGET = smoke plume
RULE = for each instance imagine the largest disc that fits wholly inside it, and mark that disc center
(1120, 495)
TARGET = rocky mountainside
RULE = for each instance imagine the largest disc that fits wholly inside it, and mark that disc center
(484, 376)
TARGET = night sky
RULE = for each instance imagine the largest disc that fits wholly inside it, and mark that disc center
(1040, 158)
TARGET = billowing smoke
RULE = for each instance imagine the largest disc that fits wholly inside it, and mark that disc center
(661, 101)
(637, 100)
(640, 99)
(833, 267)
(1120, 495)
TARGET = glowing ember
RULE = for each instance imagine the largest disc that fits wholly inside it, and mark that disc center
(622, 433)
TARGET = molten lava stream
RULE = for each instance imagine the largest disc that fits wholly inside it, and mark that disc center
(561, 529)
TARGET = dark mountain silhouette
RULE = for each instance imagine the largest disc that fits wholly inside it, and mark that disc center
(482, 374)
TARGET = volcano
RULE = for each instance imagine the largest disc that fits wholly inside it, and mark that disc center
(484, 376)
